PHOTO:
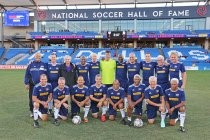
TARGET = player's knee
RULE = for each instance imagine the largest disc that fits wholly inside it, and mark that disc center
(36, 105)
(111, 118)
(182, 109)
(172, 122)
(56, 105)
(162, 109)
(120, 106)
(64, 118)
(44, 117)
(87, 103)
(151, 121)
(105, 103)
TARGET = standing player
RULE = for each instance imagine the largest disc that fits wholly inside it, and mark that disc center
(42, 95)
(94, 68)
(80, 98)
(98, 98)
(175, 102)
(155, 101)
(115, 96)
(133, 68)
(83, 70)
(148, 68)
(52, 72)
(135, 98)
(61, 96)
(162, 73)
(177, 70)
(32, 76)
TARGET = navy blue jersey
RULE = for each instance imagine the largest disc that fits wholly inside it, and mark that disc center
(83, 70)
(94, 69)
(136, 91)
(79, 93)
(153, 94)
(133, 69)
(121, 71)
(174, 97)
(33, 72)
(162, 73)
(52, 72)
(115, 95)
(98, 92)
(42, 92)
(148, 69)
(59, 94)
(176, 70)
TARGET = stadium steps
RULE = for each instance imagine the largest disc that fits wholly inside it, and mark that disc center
(22, 58)
(3, 56)
(14, 59)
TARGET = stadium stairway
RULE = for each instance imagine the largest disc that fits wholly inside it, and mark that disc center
(3, 56)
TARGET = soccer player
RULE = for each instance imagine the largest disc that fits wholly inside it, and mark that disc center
(83, 70)
(135, 98)
(177, 70)
(175, 102)
(32, 76)
(148, 68)
(115, 96)
(42, 95)
(155, 101)
(133, 68)
(68, 71)
(162, 73)
(52, 72)
(80, 98)
(108, 69)
(98, 98)
(94, 68)
(61, 96)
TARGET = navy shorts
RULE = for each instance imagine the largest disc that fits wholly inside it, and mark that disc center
(138, 109)
(42, 109)
(94, 107)
(75, 109)
(175, 114)
(63, 111)
(152, 112)
(112, 111)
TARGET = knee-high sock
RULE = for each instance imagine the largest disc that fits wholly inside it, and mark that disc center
(182, 118)
(122, 113)
(87, 108)
(56, 111)
(104, 110)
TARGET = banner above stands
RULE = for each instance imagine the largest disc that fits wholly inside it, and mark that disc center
(123, 13)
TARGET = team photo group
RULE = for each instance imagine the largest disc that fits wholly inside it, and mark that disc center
(108, 86)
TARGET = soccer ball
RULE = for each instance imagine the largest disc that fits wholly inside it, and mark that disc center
(138, 123)
(76, 120)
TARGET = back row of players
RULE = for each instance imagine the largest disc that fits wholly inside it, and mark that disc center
(126, 73)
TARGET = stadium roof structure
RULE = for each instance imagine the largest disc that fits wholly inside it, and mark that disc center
(34, 4)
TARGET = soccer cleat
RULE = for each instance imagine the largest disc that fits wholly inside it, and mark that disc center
(123, 121)
(103, 118)
(182, 129)
(129, 123)
(85, 120)
(162, 124)
(36, 124)
(56, 122)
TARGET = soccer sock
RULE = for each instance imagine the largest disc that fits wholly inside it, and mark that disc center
(50, 104)
(36, 115)
(56, 111)
(104, 109)
(125, 102)
(182, 118)
(122, 113)
(163, 116)
(129, 118)
(87, 108)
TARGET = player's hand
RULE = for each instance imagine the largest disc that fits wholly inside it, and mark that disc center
(59, 104)
(66, 105)
(82, 104)
(27, 87)
(99, 104)
(132, 104)
(115, 107)
(45, 104)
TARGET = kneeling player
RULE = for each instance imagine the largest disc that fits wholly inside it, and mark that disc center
(115, 96)
(175, 102)
(42, 95)
(98, 98)
(155, 101)
(80, 98)
(135, 97)
(61, 96)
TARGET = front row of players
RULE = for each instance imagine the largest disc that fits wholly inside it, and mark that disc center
(171, 101)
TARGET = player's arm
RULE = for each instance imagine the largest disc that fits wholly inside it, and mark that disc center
(35, 99)
(167, 106)
(184, 79)
(94, 99)
(49, 98)
(139, 100)
(152, 103)
(67, 97)
(162, 100)
(103, 99)
(26, 78)
(74, 100)
(120, 101)
(110, 101)
(129, 100)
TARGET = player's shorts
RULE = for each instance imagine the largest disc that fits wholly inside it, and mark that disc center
(63, 111)
(152, 112)
(112, 111)
(42, 109)
(175, 114)
(94, 107)
(75, 109)
(138, 109)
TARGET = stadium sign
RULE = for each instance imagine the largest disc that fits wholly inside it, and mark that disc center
(123, 13)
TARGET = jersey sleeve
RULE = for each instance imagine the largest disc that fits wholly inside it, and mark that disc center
(87, 93)
(71, 90)
(141, 65)
(91, 91)
(161, 91)
(27, 75)
(166, 96)
(104, 90)
(51, 89)
(183, 96)
(55, 95)
(146, 94)
(108, 94)
(67, 92)
(122, 95)
(129, 91)
(35, 91)
(182, 69)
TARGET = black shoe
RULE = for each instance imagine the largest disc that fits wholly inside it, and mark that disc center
(56, 122)
(36, 124)
(129, 123)
(182, 129)
(123, 121)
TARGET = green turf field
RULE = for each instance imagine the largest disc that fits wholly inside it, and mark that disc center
(16, 124)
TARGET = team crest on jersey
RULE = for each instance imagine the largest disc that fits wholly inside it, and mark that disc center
(157, 90)
(132, 89)
(76, 90)
(85, 67)
(40, 90)
(50, 68)
(57, 68)
(134, 66)
(100, 90)
(139, 88)
(177, 94)
(150, 93)
(83, 91)
(169, 94)
(63, 92)
(47, 88)
(150, 65)
(118, 93)
(175, 66)
(112, 93)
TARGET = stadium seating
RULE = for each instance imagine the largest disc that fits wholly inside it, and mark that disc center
(1, 51)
